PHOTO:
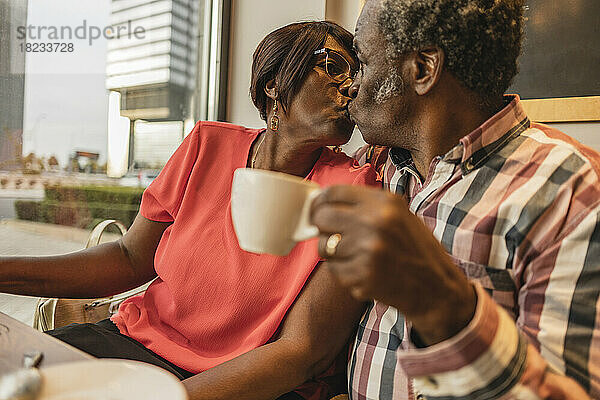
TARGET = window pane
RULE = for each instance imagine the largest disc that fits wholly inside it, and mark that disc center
(93, 102)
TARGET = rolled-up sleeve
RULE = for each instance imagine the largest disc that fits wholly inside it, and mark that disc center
(551, 351)
(485, 360)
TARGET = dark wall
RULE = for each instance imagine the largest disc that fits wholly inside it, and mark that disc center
(561, 52)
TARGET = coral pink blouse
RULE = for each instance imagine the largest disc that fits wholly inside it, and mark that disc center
(213, 301)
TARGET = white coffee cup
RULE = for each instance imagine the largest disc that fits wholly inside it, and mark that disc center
(270, 210)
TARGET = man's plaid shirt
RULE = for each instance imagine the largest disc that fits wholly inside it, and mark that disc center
(516, 204)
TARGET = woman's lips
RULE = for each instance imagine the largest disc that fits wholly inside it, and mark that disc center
(347, 114)
(349, 111)
(344, 111)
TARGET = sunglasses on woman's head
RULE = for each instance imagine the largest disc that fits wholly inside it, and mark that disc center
(336, 65)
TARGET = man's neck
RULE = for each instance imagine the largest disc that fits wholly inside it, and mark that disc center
(444, 123)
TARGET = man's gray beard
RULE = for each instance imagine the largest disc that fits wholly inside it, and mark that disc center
(392, 85)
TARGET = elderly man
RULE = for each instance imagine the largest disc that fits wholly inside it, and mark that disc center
(485, 263)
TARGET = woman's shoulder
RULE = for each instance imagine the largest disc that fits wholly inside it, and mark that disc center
(338, 159)
(217, 128)
(339, 168)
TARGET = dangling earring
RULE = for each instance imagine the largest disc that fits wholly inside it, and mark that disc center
(337, 149)
(274, 121)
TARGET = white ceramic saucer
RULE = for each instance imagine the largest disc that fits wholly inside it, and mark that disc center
(109, 379)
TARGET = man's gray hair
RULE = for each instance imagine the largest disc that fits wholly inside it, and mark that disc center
(481, 39)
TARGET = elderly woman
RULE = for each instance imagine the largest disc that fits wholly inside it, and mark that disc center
(231, 323)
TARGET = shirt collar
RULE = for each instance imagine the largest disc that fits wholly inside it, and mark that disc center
(401, 157)
(478, 146)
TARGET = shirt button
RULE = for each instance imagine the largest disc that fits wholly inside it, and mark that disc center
(432, 381)
(469, 164)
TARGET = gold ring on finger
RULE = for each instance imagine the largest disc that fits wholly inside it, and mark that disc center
(332, 243)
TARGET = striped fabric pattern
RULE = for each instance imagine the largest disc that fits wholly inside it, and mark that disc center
(517, 206)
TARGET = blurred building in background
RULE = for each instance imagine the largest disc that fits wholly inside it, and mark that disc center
(153, 62)
(159, 67)
(13, 13)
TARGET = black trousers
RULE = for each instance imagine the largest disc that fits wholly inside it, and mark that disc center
(103, 340)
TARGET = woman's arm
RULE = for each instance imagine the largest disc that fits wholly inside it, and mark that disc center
(314, 332)
(98, 271)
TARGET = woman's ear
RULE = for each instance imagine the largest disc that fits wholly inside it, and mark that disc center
(271, 89)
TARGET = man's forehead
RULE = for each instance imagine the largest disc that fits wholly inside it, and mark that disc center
(365, 30)
(360, 23)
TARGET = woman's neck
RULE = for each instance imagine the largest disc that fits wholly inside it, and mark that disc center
(284, 152)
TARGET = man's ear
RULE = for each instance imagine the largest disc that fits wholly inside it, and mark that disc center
(271, 89)
(427, 66)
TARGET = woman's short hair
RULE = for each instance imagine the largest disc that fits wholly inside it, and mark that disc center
(286, 55)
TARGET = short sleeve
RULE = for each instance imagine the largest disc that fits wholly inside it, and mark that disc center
(339, 169)
(374, 155)
(162, 199)
(365, 175)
